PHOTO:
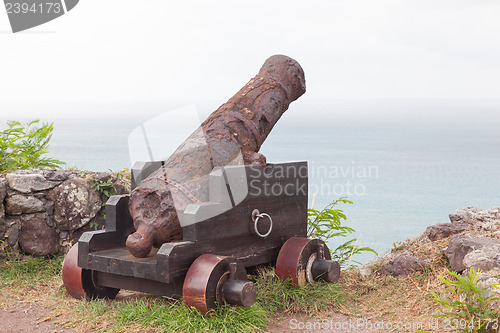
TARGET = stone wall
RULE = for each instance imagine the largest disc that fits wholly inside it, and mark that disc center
(42, 211)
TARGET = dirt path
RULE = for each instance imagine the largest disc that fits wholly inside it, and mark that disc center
(32, 318)
(27, 318)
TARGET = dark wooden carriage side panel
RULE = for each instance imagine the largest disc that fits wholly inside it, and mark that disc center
(230, 233)
(117, 227)
(139, 284)
(175, 258)
(141, 170)
(279, 190)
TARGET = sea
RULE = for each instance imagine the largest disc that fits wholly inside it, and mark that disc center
(405, 164)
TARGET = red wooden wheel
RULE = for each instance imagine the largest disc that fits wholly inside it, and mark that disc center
(210, 280)
(303, 260)
(80, 283)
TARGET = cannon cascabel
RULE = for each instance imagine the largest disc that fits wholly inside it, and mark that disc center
(233, 134)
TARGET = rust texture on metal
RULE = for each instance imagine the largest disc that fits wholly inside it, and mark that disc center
(82, 283)
(294, 257)
(326, 270)
(211, 280)
(238, 292)
(204, 281)
(72, 274)
(233, 134)
(203, 274)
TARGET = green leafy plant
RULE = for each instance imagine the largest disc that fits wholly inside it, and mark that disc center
(94, 225)
(22, 146)
(125, 175)
(399, 246)
(326, 224)
(470, 304)
(107, 188)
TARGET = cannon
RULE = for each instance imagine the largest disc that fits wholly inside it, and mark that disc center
(208, 265)
(194, 223)
(233, 134)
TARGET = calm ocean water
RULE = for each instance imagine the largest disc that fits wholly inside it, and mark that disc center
(405, 164)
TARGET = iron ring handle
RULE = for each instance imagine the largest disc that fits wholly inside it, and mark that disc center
(256, 222)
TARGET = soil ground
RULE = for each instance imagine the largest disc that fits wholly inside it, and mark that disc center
(24, 318)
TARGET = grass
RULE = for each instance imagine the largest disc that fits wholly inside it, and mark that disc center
(276, 296)
(22, 271)
(38, 281)
(404, 299)
(171, 316)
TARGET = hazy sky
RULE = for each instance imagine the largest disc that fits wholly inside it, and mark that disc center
(122, 51)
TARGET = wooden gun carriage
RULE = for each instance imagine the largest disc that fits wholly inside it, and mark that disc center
(254, 216)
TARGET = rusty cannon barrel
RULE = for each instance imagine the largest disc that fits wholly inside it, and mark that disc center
(233, 134)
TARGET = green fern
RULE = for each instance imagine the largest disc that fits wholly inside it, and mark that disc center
(327, 224)
(471, 303)
(22, 146)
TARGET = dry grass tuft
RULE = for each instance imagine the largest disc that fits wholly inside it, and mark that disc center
(402, 299)
(376, 297)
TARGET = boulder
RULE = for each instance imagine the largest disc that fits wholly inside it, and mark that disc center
(3, 227)
(490, 281)
(58, 175)
(483, 219)
(461, 245)
(3, 193)
(10, 230)
(75, 203)
(18, 204)
(487, 279)
(24, 182)
(49, 207)
(100, 176)
(120, 185)
(11, 220)
(365, 272)
(13, 234)
(403, 264)
(443, 230)
(486, 258)
(64, 236)
(37, 238)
